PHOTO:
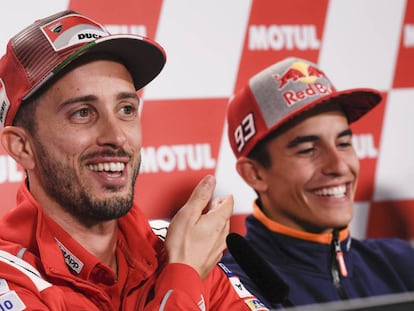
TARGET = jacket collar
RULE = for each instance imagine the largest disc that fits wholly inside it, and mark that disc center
(325, 238)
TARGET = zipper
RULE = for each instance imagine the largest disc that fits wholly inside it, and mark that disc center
(338, 267)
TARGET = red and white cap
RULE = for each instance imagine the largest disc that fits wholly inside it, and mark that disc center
(36, 54)
(282, 91)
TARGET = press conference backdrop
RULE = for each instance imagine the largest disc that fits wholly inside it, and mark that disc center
(213, 47)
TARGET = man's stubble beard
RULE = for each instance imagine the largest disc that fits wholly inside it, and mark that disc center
(62, 184)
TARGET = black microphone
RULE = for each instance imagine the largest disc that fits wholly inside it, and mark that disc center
(271, 285)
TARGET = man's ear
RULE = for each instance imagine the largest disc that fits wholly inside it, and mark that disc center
(17, 142)
(251, 172)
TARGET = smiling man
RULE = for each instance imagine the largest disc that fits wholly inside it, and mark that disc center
(290, 131)
(76, 239)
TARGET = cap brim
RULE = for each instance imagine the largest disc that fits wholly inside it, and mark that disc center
(354, 102)
(142, 57)
(357, 102)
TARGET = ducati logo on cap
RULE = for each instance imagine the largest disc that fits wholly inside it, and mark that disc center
(70, 30)
(57, 29)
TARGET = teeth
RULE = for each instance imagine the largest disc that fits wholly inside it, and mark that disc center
(107, 167)
(338, 191)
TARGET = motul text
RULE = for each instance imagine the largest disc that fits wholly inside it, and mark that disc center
(278, 37)
(177, 158)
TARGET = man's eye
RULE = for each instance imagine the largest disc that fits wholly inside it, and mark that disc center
(306, 151)
(345, 143)
(129, 110)
(83, 113)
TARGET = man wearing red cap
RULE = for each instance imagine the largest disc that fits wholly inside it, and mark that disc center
(289, 129)
(76, 239)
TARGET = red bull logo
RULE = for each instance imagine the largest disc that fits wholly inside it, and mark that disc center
(301, 72)
(307, 76)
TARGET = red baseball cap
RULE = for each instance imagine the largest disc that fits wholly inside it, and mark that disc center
(36, 54)
(282, 91)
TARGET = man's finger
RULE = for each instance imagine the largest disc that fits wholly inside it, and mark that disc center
(223, 206)
(200, 197)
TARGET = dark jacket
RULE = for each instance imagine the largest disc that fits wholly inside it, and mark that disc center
(308, 263)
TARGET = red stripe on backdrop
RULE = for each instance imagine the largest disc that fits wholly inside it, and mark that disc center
(391, 219)
(405, 62)
(278, 29)
(123, 16)
(181, 140)
(367, 133)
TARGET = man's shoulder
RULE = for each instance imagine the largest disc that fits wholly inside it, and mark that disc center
(13, 267)
(386, 245)
(397, 252)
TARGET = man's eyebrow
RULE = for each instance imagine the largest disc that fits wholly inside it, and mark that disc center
(79, 99)
(347, 132)
(128, 95)
(91, 98)
(311, 138)
(302, 139)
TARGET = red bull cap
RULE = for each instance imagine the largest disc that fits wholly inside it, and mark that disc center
(39, 52)
(282, 91)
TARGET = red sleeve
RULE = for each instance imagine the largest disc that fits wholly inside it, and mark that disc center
(179, 287)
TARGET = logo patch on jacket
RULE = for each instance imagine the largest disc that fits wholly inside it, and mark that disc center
(11, 302)
(256, 305)
(71, 260)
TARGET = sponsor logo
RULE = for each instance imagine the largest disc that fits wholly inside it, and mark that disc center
(4, 103)
(256, 304)
(226, 270)
(71, 30)
(301, 72)
(71, 260)
(177, 158)
(303, 75)
(11, 302)
(279, 37)
(239, 288)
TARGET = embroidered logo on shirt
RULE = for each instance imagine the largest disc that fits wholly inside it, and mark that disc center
(11, 302)
(256, 305)
(226, 270)
(239, 288)
(71, 260)
(235, 282)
